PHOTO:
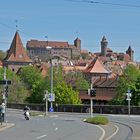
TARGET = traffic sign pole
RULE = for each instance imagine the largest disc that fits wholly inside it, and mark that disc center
(5, 99)
(129, 99)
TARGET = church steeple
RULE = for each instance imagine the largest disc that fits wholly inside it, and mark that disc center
(130, 52)
(104, 44)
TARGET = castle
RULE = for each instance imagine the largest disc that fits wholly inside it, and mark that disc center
(58, 49)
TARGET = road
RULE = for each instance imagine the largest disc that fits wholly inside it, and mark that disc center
(68, 126)
(53, 127)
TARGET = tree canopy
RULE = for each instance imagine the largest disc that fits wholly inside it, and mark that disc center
(34, 82)
(128, 80)
(17, 92)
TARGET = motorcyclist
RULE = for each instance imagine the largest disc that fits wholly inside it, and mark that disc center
(26, 110)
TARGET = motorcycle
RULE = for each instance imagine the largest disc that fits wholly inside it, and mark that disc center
(27, 115)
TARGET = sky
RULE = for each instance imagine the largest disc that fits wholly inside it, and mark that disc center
(65, 20)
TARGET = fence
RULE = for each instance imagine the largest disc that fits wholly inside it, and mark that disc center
(102, 109)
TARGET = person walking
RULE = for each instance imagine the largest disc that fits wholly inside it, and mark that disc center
(2, 112)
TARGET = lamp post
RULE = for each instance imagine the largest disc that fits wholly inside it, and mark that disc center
(5, 97)
(51, 66)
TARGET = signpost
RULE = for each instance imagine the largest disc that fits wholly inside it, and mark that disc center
(51, 98)
(128, 99)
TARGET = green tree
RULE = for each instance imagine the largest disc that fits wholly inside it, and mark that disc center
(135, 93)
(34, 82)
(17, 92)
(64, 94)
(125, 82)
(77, 80)
(2, 55)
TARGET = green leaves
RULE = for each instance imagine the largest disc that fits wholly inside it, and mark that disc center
(65, 95)
(128, 80)
(34, 82)
(17, 91)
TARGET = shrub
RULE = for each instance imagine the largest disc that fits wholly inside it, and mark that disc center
(98, 120)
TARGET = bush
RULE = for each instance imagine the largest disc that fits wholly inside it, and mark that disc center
(98, 120)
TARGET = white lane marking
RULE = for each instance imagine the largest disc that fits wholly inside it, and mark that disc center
(131, 116)
(40, 137)
(103, 134)
(117, 129)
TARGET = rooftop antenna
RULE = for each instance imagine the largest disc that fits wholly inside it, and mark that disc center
(77, 34)
(16, 21)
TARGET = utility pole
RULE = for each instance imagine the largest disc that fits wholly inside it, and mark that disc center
(52, 96)
(46, 99)
(91, 102)
(51, 109)
(4, 96)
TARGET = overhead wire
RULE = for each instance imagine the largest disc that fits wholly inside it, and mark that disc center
(10, 27)
(106, 3)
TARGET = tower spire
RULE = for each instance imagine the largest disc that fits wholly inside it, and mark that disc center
(16, 21)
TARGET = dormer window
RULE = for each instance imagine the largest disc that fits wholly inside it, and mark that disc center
(20, 56)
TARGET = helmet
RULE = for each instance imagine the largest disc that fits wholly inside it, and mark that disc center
(3, 104)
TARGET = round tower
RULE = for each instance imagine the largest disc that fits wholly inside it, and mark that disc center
(104, 44)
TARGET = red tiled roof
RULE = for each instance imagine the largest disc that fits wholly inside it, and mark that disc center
(43, 44)
(96, 67)
(84, 52)
(17, 52)
(105, 82)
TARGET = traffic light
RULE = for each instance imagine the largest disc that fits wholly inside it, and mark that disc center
(92, 92)
(6, 90)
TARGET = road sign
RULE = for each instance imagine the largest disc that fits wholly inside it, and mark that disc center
(4, 82)
(51, 97)
(51, 109)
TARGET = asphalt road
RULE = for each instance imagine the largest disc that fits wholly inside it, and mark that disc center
(68, 126)
(53, 127)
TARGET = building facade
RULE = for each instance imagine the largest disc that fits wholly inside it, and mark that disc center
(58, 49)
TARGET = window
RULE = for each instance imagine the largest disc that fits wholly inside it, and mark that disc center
(20, 56)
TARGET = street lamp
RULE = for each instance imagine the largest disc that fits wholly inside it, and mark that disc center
(51, 66)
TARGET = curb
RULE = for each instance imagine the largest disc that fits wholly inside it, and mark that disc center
(5, 126)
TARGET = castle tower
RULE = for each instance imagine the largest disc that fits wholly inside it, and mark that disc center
(130, 52)
(77, 43)
(104, 44)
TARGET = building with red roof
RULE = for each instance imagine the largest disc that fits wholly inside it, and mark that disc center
(58, 49)
(16, 55)
(102, 80)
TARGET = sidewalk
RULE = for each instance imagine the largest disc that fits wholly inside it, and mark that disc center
(5, 126)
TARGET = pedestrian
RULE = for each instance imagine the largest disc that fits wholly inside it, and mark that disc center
(2, 111)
